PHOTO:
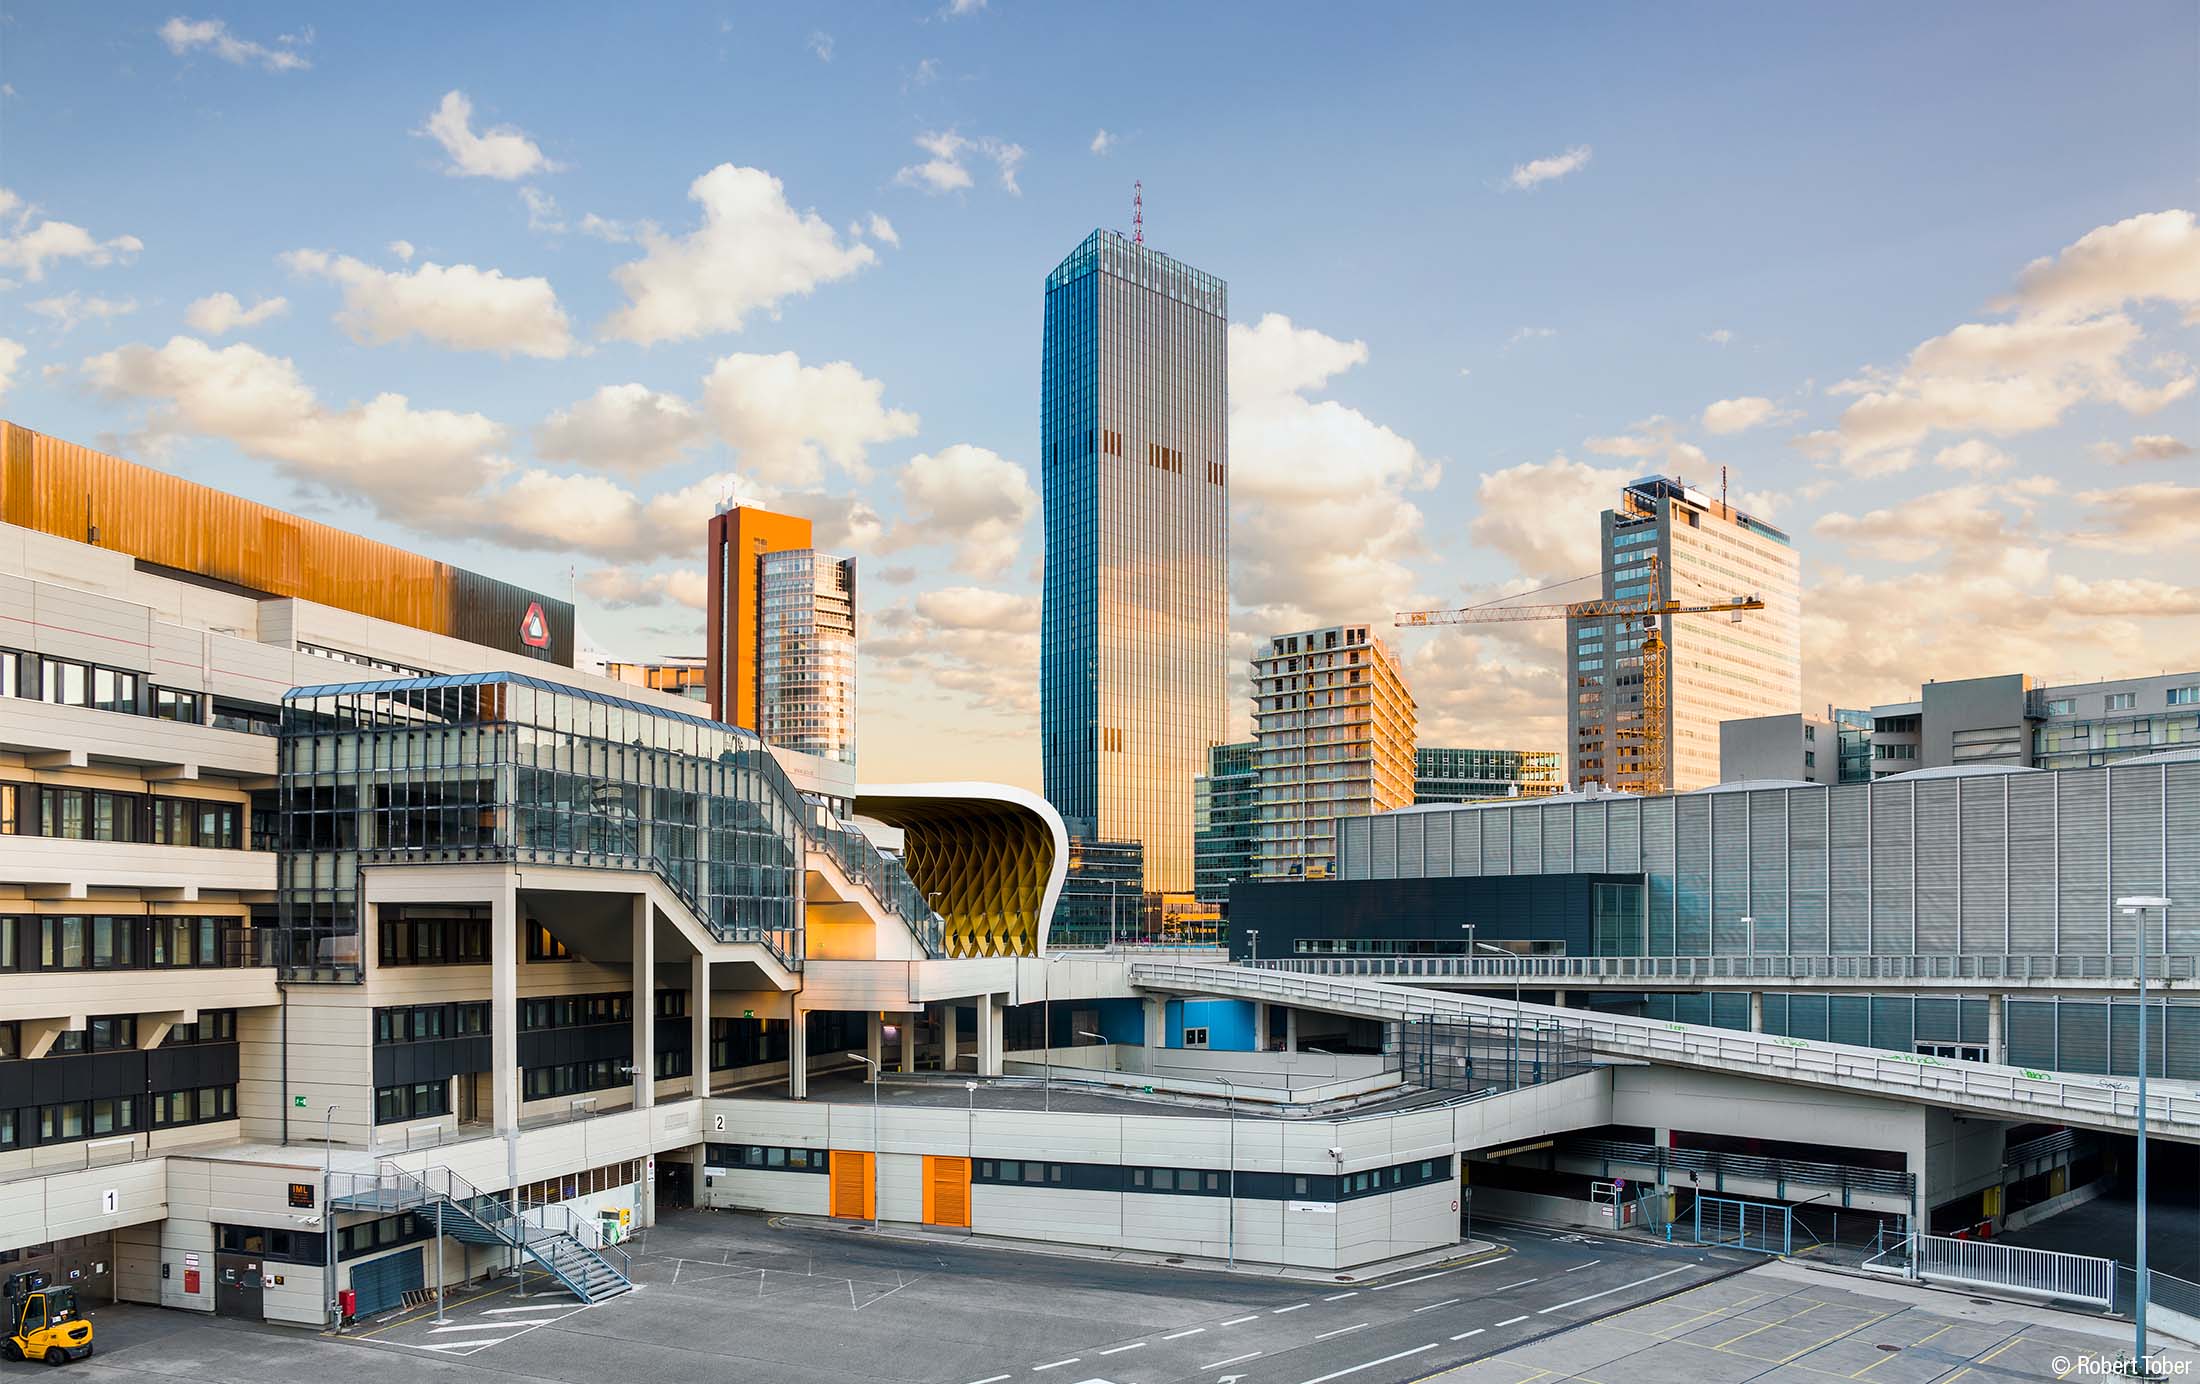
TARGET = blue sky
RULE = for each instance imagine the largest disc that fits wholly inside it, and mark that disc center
(1821, 218)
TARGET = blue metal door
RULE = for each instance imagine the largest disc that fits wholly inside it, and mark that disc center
(382, 1283)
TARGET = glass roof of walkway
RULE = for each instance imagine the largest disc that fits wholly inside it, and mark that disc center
(507, 767)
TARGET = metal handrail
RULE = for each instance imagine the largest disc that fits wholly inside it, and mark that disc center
(1749, 1165)
(2060, 1097)
(866, 865)
(1782, 966)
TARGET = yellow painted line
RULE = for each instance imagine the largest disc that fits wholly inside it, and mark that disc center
(1838, 1335)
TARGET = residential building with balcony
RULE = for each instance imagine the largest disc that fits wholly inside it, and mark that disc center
(1333, 726)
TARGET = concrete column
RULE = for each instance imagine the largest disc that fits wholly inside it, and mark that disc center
(699, 1031)
(1260, 1025)
(909, 1041)
(989, 1035)
(950, 1015)
(1756, 1011)
(1157, 1023)
(1558, 999)
(1995, 1049)
(504, 1007)
(1290, 1030)
(798, 1050)
(644, 1005)
(875, 1045)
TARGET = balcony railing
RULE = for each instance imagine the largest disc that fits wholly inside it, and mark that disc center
(2018, 968)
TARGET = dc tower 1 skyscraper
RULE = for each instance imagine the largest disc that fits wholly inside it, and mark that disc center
(1135, 455)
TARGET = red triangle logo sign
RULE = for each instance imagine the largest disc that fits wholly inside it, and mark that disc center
(534, 627)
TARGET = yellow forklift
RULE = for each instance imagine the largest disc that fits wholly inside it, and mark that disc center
(45, 1325)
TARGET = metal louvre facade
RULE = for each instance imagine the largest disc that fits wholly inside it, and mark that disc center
(1944, 863)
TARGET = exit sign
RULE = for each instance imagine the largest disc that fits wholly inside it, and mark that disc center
(297, 1102)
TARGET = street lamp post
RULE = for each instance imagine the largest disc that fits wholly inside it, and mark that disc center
(2135, 907)
(1230, 1114)
(1105, 1041)
(878, 1141)
(1114, 887)
(1046, 1025)
(1749, 942)
(328, 1212)
(1252, 937)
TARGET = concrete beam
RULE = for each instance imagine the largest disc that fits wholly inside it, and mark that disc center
(57, 759)
(643, 980)
(504, 925)
(699, 1016)
(153, 1029)
(171, 773)
(39, 1035)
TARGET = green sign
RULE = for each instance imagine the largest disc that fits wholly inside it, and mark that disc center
(297, 1102)
(748, 1013)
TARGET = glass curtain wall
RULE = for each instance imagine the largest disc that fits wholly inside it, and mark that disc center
(503, 767)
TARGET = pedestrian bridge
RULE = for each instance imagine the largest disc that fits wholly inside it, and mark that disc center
(1965, 974)
(1980, 1088)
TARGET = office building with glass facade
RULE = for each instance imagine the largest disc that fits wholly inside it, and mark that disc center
(1134, 460)
(1465, 776)
(806, 653)
(1225, 805)
(1333, 729)
(2014, 719)
(1668, 540)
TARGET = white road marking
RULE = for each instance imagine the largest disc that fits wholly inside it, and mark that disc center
(1340, 1297)
(535, 1307)
(457, 1345)
(1236, 1320)
(1118, 1350)
(1279, 1311)
(1464, 1334)
(1231, 1361)
(1182, 1334)
(1342, 1331)
(990, 1379)
(1609, 1291)
(1055, 1365)
(1383, 1287)
(1434, 1305)
(1521, 1284)
(1510, 1320)
(475, 1326)
(1583, 1265)
(1368, 1365)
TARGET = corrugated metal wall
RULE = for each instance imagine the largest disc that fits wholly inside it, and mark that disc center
(2025, 863)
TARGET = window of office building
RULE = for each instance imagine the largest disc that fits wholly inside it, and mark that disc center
(2119, 701)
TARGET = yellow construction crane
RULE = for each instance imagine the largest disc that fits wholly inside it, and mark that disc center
(1649, 731)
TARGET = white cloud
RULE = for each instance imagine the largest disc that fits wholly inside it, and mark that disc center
(1527, 175)
(542, 211)
(979, 647)
(944, 171)
(72, 309)
(1542, 515)
(1729, 416)
(622, 588)
(975, 500)
(625, 428)
(957, 9)
(2069, 343)
(186, 36)
(883, 230)
(1975, 456)
(459, 306)
(218, 313)
(1321, 526)
(2153, 516)
(500, 152)
(2144, 258)
(821, 43)
(2126, 596)
(2145, 447)
(1102, 142)
(752, 251)
(980, 608)
(1719, 336)
(28, 248)
(787, 419)
(11, 356)
(1978, 522)
(403, 249)
(432, 470)
(1521, 334)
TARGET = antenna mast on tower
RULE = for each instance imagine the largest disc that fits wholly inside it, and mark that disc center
(1138, 212)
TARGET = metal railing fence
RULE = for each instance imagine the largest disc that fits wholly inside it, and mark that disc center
(1779, 967)
(2048, 1273)
(1780, 1171)
(2173, 1108)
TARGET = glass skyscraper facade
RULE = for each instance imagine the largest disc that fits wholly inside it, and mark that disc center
(1225, 805)
(1668, 540)
(806, 652)
(1134, 456)
(1465, 776)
